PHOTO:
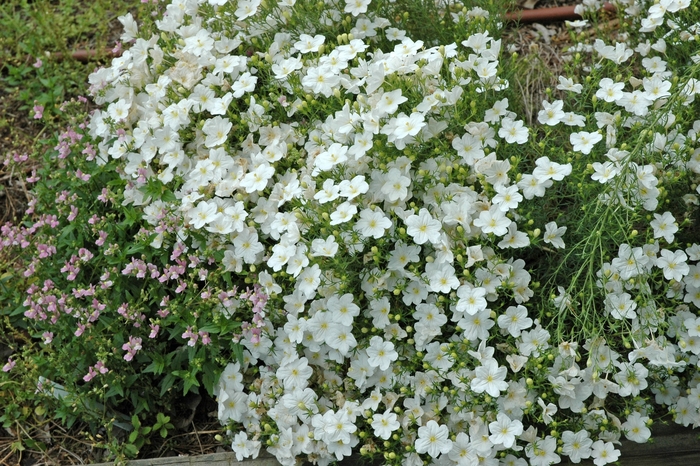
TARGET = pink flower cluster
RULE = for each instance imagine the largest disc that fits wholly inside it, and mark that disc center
(93, 370)
(258, 299)
(131, 348)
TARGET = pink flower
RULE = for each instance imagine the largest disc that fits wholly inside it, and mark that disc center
(8, 367)
(193, 337)
(38, 112)
(48, 337)
(38, 63)
(90, 375)
(100, 366)
(131, 348)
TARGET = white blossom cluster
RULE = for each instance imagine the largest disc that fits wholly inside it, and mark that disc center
(371, 203)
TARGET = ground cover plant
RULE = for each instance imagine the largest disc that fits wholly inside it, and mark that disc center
(331, 217)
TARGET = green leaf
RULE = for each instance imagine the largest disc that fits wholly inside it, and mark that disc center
(131, 450)
(155, 367)
(167, 382)
(115, 389)
(134, 248)
(238, 353)
(190, 381)
(211, 328)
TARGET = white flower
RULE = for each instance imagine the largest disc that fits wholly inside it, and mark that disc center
(542, 452)
(389, 102)
(471, 300)
(246, 9)
(635, 102)
(324, 247)
(295, 375)
(405, 126)
(463, 453)
(372, 223)
(204, 213)
(609, 91)
(577, 446)
(307, 44)
(547, 169)
(320, 80)
(309, 280)
(673, 264)
(489, 378)
(423, 227)
(216, 129)
(551, 114)
(493, 221)
(513, 131)
(340, 338)
(245, 83)
(433, 439)
(350, 189)
(604, 453)
(402, 255)
(533, 187)
(514, 320)
(604, 172)
(553, 235)
(243, 447)
(343, 213)
(381, 353)
(441, 277)
(257, 179)
(583, 141)
(384, 424)
(396, 185)
(664, 226)
(635, 428)
(504, 430)
(548, 410)
(567, 84)
(507, 198)
(621, 306)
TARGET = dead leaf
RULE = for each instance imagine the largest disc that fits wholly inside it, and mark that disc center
(530, 4)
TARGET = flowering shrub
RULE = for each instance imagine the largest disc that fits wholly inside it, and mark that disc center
(413, 273)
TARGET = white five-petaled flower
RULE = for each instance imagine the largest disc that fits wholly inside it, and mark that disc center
(664, 226)
(381, 353)
(493, 221)
(504, 430)
(551, 114)
(553, 235)
(433, 439)
(423, 227)
(216, 130)
(489, 378)
(513, 131)
(583, 141)
(673, 264)
(604, 453)
(384, 424)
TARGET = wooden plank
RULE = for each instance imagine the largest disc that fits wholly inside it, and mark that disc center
(671, 446)
(214, 459)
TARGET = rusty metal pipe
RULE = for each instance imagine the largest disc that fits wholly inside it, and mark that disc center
(548, 15)
(539, 15)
